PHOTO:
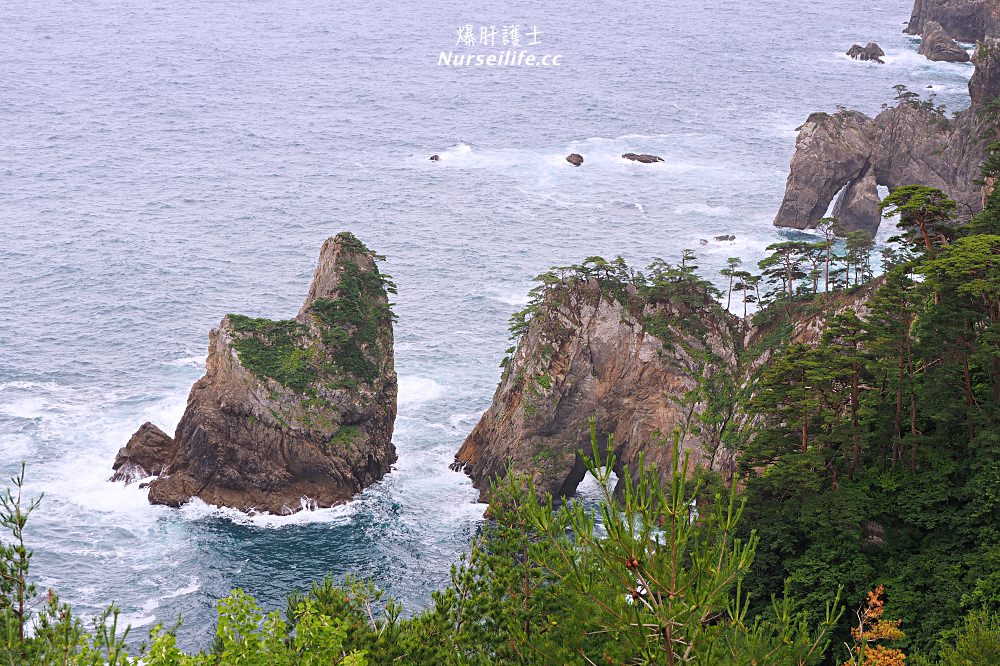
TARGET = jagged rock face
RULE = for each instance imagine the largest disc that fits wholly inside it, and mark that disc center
(830, 152)
(586, 355)
(858, 204)
(909, 144)
(903, 145)
(295, 413)
(147, 453)
(984, 87)
(965, 20)
(870, 52)
(937, 45)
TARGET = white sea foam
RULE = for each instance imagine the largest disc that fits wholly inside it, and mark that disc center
(189, 361)
(914, 62)
(198, 509)
(703, 209)
(456, 420)
(414, 390)
(517, 297)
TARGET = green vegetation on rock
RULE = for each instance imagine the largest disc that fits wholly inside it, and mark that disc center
(350, 325)
(275, 349)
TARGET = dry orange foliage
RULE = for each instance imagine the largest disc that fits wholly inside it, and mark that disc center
(872, 628)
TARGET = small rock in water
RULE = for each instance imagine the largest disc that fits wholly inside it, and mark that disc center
(575, 159)
(725, 237)
(871, 52)
(702, 241)
(435, 158)
(642, 157)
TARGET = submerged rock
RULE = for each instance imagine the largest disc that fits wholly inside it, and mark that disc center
(294, 413)
(725, 237)
(586, 354)
(937, 45)
(435, 158)
(642, 157)
(575, 159)
(871, 52)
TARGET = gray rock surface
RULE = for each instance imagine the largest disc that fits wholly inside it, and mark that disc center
(575, 159)
(984, 87)
(965, 20)
(938, 46)
(911, 143)
(645, 158)
(870, 52)
(290, 414)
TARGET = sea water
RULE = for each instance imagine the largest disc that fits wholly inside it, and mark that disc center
(165, 163)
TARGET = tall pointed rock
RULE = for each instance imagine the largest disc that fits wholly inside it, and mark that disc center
(293, 413)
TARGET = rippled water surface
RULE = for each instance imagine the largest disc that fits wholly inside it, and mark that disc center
(164, 163)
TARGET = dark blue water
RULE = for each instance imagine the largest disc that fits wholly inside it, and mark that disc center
(162, 164)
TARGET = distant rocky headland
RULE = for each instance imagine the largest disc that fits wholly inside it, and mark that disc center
(290, 414)
(913, 142)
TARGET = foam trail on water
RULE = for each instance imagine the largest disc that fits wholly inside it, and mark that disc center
(509, 297)
(415, 390)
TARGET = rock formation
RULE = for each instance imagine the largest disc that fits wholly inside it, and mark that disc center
(911, 143)
(435, 158)
(984, 87)
(575, 159)
(633, 364)
(586, 354)
(937, 45)
(290, 414)
(146, 454)
(871, 52)
(965, 20)
(642, 157)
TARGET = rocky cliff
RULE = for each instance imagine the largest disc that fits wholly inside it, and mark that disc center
(965, 20)
(642, 366)
(290, 414)
(938, 46)
(911, 143)
(588, 354)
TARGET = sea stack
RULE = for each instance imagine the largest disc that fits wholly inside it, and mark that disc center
(290, 414)
(624, 361)
(913, 142)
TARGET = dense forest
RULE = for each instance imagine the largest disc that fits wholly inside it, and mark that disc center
(860, 527)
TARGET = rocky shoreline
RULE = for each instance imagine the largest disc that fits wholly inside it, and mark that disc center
(914, 142)
(299, 413)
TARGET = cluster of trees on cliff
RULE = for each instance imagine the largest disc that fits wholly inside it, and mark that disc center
(873, 457)
(861, 528)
